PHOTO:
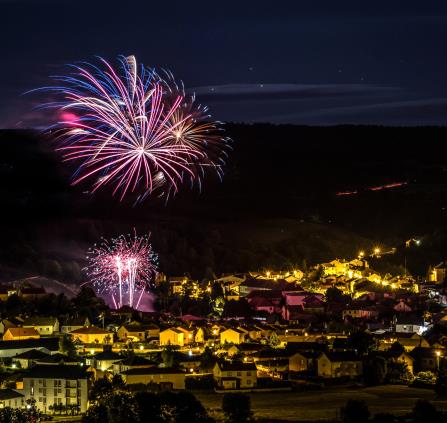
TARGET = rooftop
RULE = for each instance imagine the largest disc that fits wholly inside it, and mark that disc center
(90, 330)
(57, 372)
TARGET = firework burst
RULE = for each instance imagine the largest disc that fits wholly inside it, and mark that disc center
(123, 267)
(134, 130)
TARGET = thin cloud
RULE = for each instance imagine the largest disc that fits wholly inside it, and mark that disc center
(240, 92)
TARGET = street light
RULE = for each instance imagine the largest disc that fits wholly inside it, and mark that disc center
(438, 354)
(361, 254)
(377, 251)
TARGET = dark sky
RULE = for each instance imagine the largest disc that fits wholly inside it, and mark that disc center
(306, 62)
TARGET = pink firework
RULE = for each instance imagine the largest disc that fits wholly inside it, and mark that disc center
(124, 267)
(133, 130)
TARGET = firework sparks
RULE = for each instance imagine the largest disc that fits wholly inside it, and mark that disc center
(133, 130)
(123, 267)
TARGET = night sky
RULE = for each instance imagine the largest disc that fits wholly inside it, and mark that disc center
(304, 62)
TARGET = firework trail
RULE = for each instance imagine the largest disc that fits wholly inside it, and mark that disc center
(124, 267)
(133, 130)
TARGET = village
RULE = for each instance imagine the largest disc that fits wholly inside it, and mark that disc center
(262, 332)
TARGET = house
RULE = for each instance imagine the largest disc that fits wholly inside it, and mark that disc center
(57, 359)
(13, 348)
(265, 301)
(5, 324)
(92, 335)
(298, 298)
(339, 364)
(6, 291)
(260, 284)
(132, 362)
(313, 304)
(189, 362)
(188, 335)
(172, 336)
(276, 359)
(235, 375)
(230, 284)
(11, 398)
(44, 325)
(199, 336)
(408, 340)
(165, 378)
(28, 358)
(32, 293)
(296, 314)
(262, 304)
(176, 284)
(18, 334)
(397, 356)
(359, 313)
(103, 360)
(427, 358)
(74, 323)
(152, 331)
(438, 273)
(246, 349)
(54, 385)
(335, 267)
(132, 332)
(341, 343)
(409, 323)
(402, 307)
(233, 336)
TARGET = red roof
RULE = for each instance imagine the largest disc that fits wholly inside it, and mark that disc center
(90, 330)
(16, 332)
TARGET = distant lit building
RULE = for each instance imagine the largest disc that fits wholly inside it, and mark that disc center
(438, 273)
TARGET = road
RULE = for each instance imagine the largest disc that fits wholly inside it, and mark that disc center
(325, 404)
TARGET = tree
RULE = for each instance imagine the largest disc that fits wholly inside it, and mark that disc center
(216, 291)
(274, 340)
(168, 355)
(66, 345)
(362, 342)
(14, 305)
(237, 408)
(425, 378)
(148, 407)
(118, 382)
(121, 407)
(207, 359)
(334, 295)
(355, 412)
(398, 373)
(100, 389)
(116, 407)
(398, 347)
(182, 407)
(239, 308)
(16, 415)
(374, 371)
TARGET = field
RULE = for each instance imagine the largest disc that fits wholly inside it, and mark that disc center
(324, 405)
